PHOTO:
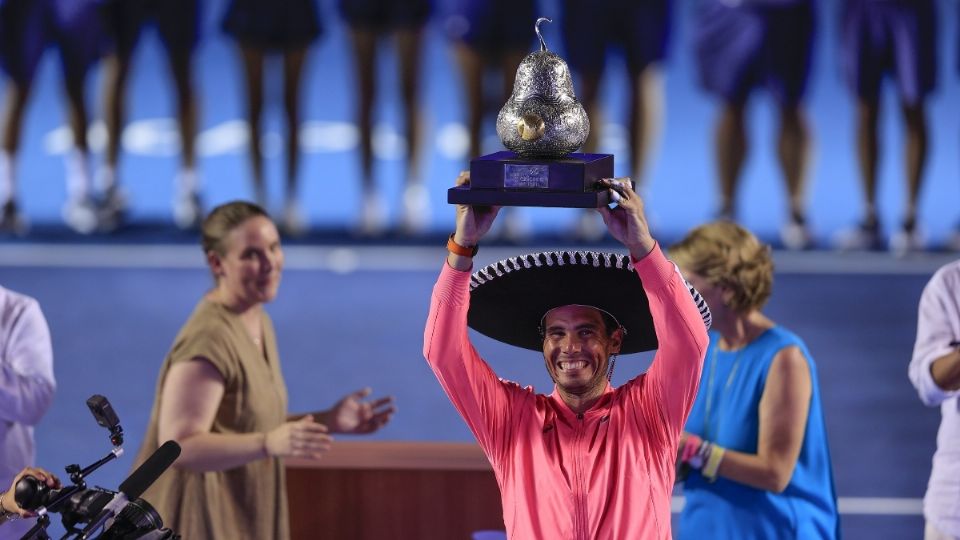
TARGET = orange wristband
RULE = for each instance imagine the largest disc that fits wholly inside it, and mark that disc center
(463, 251)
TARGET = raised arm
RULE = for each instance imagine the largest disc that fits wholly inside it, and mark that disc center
(935, 365)
(192, 391)
(26, 372)
(476, 392)
(671, 382)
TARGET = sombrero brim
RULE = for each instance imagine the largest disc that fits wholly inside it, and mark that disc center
(509, 298)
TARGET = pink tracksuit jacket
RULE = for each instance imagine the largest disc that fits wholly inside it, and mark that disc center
(606, 474)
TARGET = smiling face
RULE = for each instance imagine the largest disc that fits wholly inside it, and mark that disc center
(248, 271)
(577, 348)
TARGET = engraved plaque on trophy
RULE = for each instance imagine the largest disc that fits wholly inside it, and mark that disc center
(541, 125)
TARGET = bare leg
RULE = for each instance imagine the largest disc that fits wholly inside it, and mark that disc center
(730, 145)
(116, 71)
(868, 152)
(181, 67)
(79, 212)
(916, 158)
(365, 49)
(253, 70)
(793, 149)
(409, 43)
(471, 66)
(589, 96)
(646, 106)
(187, 211)
(293, 61)
(15, 104)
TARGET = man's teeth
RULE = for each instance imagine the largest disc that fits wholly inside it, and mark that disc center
(576, 364)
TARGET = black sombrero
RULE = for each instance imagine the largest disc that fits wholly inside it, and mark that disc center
(509, 298)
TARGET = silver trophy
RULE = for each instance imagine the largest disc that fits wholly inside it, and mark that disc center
(541, 124)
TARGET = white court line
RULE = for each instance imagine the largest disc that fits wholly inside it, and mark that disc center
(345, 259)
(866, 506)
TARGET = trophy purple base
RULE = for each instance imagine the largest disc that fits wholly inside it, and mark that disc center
(506, 179)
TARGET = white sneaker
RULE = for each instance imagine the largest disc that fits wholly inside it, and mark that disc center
(906, 241)
(415, 211)
(863, 237)
(796, 236)
(187, 210)
(81, 215)
(372, 214)
(589, 227)
(293, 223)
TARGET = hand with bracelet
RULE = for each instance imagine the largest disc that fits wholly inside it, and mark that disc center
(9, 509)
(472, 223)
(694, 453)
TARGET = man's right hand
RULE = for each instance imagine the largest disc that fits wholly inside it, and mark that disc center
(472, 221)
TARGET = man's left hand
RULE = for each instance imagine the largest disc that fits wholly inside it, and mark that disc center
(627, 221)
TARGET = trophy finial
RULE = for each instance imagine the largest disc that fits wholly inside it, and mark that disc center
(536, 28)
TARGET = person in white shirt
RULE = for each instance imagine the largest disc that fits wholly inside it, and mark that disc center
(935, 373)
(26, 387)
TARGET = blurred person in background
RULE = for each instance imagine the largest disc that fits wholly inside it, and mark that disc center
(178, 25)
(747, 44)
(221, 395)
(935, 373)
(370, 22)
(27, 29)
(27, 387)
(640, 30)
(896, 38)
(287, 28)
(491, 37)
(754, 459)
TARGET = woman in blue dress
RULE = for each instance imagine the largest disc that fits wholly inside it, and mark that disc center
(754, 459)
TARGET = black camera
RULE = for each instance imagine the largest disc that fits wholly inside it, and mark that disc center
(121, 514)
(138, 519)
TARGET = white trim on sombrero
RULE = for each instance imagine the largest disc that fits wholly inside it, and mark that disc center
(702, 306)
(579, 257)
(558, 258)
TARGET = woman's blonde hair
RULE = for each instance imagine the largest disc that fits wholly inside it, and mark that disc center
(728, 255)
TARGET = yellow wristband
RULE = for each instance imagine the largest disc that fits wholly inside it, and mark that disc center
(709, 470)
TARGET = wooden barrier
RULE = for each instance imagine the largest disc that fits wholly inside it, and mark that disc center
(378, 490)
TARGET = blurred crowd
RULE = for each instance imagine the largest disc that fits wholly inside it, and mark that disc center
(742, 47)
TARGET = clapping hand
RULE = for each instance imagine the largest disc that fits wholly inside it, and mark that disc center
(354, 415)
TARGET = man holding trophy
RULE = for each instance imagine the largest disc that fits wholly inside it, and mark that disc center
(588, 460)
